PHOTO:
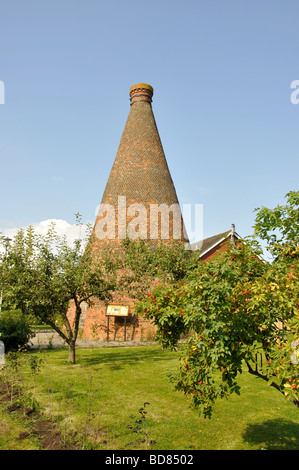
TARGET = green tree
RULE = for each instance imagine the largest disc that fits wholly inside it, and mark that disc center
(145, 265)
(237, 309)
(43, 274)
(279, 227)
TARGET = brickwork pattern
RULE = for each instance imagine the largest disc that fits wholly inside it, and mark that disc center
(140, 171)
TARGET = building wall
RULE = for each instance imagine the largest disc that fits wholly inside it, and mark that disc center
(96, 325)
(216, 250)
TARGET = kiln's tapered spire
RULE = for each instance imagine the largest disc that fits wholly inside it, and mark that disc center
(140, 176)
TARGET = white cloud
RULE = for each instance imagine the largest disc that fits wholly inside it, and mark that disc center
(62, 227)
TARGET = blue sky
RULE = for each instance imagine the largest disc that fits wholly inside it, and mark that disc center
(221, 73)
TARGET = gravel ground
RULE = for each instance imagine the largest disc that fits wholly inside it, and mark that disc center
(46, 339)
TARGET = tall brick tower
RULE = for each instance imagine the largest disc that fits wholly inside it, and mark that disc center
(139, 201)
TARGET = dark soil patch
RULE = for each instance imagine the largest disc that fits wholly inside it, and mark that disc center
(50, 437)
(46, 431)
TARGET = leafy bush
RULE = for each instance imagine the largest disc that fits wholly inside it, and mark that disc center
(15, 330)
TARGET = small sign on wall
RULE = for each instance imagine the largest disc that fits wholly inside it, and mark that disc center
(117, 310)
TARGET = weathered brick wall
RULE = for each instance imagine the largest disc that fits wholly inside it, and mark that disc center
(216, 250)
(96, 325)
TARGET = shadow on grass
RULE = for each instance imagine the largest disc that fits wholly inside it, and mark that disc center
(275, 434)
(119, 358)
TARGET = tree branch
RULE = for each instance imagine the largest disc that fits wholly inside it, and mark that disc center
(272, 384)
(47, 320)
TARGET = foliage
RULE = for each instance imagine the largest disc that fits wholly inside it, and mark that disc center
(138, 426)
(15, 330)
(280, 226)
(235, 308)
(145, 264)
(210, 305)
(34, 363)
(43, 274)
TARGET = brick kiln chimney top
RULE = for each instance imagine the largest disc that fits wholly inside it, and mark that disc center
(141, 92)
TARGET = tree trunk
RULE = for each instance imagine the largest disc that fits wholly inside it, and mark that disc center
(72, 351)
(73, 334)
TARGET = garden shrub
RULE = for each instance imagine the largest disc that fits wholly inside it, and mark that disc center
(15, 330)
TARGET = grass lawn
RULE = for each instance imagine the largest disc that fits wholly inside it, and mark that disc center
(14, 434)
(98, 396)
